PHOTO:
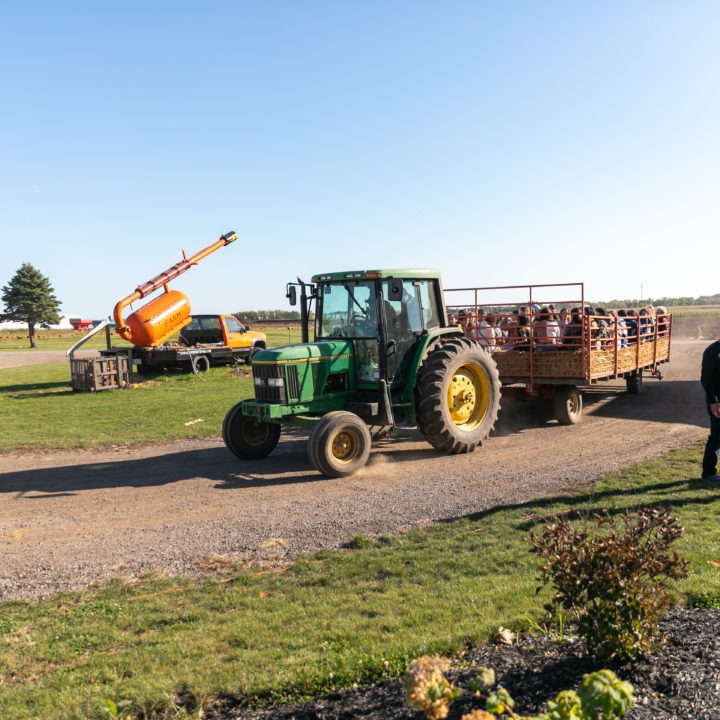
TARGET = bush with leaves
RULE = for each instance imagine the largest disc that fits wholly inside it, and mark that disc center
(615, 581)
(426, 687)
(602, 696)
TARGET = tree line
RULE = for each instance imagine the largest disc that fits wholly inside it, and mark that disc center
(665, 301)
(260, 315)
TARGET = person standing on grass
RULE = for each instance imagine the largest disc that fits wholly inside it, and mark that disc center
(710, 379)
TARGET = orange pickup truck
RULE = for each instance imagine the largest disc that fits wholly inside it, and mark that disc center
(206, 340)
(224, 330)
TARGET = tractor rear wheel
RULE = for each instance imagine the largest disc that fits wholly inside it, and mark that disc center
(457, 396)
(246, 436)
(339, 444)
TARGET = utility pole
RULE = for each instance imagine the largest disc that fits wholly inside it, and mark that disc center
(640, 292)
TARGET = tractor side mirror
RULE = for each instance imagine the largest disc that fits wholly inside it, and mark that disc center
(291, 295)
(395, 289)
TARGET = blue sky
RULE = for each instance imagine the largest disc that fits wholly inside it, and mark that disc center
(501, 142)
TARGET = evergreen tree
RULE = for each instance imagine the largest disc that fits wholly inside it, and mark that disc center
(30, 298)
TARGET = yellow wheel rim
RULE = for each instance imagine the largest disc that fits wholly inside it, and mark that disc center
(345, 446)
(468, 396)
(253, 432)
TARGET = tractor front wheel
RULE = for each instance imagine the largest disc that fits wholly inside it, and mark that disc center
(339, 444)
(457, 396)
(246, 436)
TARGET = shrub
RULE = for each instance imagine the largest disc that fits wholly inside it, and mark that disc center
(426, 687)
(602, 696)
(615, 583)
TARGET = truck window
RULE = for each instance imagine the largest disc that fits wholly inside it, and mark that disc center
(210, 323)
(233, 325)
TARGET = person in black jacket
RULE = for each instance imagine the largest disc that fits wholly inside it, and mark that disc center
(710, 379)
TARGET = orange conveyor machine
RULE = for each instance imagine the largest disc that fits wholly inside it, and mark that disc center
(168, 313)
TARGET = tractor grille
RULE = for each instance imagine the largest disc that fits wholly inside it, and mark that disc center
(270, 383)
(293, 384)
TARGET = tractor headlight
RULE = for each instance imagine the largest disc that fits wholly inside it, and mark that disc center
(259, 381)
(275, 382)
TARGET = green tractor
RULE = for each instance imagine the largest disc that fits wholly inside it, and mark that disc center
(383, 356)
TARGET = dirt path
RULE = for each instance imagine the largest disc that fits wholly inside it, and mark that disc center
(71, 518)
(17, 358)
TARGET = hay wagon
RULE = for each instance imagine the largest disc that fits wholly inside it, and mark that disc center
(599, 348)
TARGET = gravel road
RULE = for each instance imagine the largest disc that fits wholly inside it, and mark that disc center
(68, 519)
(17, 358)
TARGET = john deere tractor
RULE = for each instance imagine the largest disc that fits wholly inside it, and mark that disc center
(383, 356)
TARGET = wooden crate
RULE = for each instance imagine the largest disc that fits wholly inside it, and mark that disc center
(91, 375)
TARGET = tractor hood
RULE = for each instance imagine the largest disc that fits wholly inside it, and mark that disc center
(308, 352)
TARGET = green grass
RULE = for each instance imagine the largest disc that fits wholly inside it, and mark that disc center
(39, 408)
(330, 620)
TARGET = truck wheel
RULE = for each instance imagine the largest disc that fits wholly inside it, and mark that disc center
(253, 350)
(339, 444)
(247, 437)
(457, 396)
(568, 405)
(201, 363)
(633, 382)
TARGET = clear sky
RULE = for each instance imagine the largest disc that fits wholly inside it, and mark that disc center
(503, 142)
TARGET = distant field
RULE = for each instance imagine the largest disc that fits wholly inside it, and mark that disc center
(65, 339)
(691, 311)
(691, 308)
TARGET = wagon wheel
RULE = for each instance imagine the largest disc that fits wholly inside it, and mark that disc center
(634, 382)
(457, 396)
(339, 444)
(247, 437)
(568, 405)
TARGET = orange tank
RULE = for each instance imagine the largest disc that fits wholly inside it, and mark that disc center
(155, 322)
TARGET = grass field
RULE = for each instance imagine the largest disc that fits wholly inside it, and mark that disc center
(40, 409)
(329, 620)
(36, 402)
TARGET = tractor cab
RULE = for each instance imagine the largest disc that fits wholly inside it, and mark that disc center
(384, 314)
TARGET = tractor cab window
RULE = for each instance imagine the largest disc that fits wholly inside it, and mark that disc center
(407, 318)
(348, 310)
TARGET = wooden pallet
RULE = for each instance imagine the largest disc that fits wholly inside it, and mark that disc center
(91, 375)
